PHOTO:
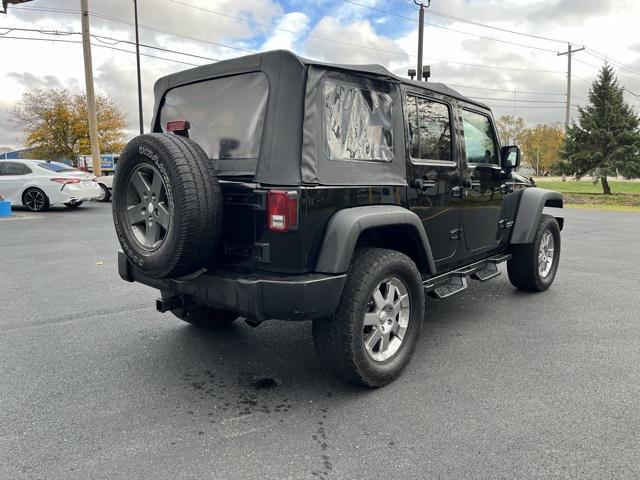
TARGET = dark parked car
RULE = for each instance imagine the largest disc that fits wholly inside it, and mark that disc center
(276, 187)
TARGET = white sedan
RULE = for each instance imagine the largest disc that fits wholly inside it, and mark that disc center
(37, 184)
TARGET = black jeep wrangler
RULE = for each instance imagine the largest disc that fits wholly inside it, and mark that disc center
(276, 187)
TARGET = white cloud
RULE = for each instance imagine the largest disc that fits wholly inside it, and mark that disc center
(352, 42)
(293, 22)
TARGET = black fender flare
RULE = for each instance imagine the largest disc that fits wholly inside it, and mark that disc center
(532, 202)
(346, 226)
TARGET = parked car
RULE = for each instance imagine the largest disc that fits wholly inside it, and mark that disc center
(38, 184)
(276, 187)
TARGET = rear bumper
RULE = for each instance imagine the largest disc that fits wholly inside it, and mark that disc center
(259, 297)
(75, 193)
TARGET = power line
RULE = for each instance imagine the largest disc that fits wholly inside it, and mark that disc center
(244, 20)
(493, 27)
(129, 22)
(293, 32)
(449, 28)
(79, 42)
(613, 61)
(102, 39)
(494, 67)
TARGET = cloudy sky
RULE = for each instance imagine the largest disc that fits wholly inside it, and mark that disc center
(495, 64)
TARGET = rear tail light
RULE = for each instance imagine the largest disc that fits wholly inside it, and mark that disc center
(66, 181)
(282, 211)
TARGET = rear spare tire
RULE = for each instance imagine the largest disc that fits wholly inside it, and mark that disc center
(167, 205)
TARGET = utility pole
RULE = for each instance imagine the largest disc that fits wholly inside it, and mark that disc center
(421, 34)
(135, 9)
(569, 53)
(91, 98)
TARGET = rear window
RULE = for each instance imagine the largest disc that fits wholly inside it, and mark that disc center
(226, 114)
(56, 167)
(357, 123)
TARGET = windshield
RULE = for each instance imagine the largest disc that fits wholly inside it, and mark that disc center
(226, 114)
(56, 167)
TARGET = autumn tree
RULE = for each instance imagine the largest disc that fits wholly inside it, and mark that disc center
(541, 147)
(56, 124)
(510, 130)
(606, 139)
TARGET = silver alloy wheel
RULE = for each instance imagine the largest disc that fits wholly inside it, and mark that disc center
(34, 200)
(386, 319)
(148, 206)
(545, 254)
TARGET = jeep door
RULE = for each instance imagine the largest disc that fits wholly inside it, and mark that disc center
(483, 180)
(432, 169)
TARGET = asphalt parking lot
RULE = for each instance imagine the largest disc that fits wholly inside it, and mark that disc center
(96, 384)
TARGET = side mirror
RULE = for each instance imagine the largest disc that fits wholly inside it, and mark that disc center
(510, 158)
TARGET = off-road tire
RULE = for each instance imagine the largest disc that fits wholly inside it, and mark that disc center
(339, 338)
(204, 317)
(106, 193)
(194, 205)
(523, 268)
(45, 206)
(73, 205)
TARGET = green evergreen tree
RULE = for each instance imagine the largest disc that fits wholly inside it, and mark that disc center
(606, 140)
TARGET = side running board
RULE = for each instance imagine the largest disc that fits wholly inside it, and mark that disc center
(450, 283)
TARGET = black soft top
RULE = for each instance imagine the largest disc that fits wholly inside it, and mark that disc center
(253, 62)
(290, 152)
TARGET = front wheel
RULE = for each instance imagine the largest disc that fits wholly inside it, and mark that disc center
(370, 338)
(533, 266)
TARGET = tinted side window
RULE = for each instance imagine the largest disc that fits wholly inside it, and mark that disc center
(479, 138)
(357, 123)
(11, 168)
(429, 129)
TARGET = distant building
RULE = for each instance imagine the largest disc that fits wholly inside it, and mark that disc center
(17, 154)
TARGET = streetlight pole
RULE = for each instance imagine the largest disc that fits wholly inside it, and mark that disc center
(135, 10)
(421, 35)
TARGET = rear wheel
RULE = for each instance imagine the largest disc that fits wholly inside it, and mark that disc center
(374, 331)
(202, 316)
(533, 266)
(105, 194)
(35, 200)
(73, 204)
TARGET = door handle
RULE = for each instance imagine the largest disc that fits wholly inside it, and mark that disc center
(421, 184)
